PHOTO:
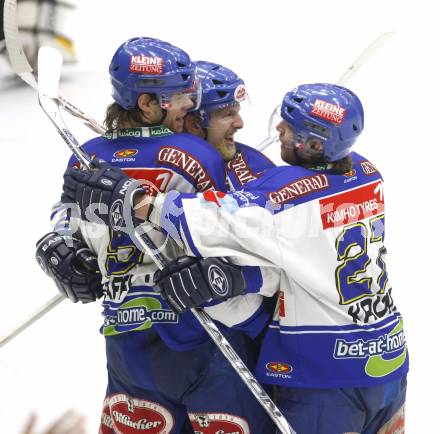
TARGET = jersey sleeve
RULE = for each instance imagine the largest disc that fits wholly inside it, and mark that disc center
(250, 312)
(237, 225)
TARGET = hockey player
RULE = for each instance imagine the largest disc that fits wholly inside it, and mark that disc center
(219, 118)
(152, 84)
(336, 349)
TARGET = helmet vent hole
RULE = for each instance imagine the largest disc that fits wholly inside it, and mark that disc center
(115, 68)
(181, 65)
(222, 93)
(289, 110)
(355, 128)
(185, 77)
(298, 99)
(217, 82)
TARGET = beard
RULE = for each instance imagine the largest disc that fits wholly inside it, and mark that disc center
(227, 151)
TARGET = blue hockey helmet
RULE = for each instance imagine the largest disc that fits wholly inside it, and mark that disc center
(148, 65)
(221, 88)
(325, 114)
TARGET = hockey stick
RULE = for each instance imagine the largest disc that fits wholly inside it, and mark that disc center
(49, 66)
(346, 76)
(30, 320)
(23, 69)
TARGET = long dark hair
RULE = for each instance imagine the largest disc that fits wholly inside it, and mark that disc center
(117, 117)
(342, 166)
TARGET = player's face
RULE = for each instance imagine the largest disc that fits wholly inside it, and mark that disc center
(177, 109)
(287, 142)
(297, 153)
(223, 124)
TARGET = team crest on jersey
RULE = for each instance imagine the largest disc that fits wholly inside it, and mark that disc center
(125, 153)
(368, 168)
(328, 111)
(216, 423)
(128, 415)
(148, 65)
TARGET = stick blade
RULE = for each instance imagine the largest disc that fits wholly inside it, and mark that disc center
(365, 55)
(50, 62)
(14, 46)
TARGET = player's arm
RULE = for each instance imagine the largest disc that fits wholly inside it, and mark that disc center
(238, 225)
(71, 265)
(65, 257)
(191, 282)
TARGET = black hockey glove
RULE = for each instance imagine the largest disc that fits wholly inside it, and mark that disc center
(74, 269)
(188, 282)
(107, 191)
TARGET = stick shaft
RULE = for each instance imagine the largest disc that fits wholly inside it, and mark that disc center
(41, 311)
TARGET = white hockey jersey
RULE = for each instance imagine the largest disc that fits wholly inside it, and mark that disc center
(336, 324)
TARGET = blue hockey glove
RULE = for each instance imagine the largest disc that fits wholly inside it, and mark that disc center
(74, 269)
(107, 191)
(188, 282)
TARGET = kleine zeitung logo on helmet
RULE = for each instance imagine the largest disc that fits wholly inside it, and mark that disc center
(146, 65)
(328, 111)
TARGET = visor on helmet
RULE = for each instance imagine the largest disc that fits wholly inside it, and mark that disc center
(171, 98)
(272, 133)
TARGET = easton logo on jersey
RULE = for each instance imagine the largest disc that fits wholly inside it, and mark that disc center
(350, 173)
(279, 367)
(125, 153)
(328, 111)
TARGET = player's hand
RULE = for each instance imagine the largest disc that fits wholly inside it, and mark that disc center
(72, 266)
(188, 282)
(106, 192)
(69, 423)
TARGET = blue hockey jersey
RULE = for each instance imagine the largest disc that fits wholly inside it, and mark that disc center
(247, 165)
(163, 161)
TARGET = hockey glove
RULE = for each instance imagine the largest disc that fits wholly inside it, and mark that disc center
(106, 190)
(74, 269)
(188, 282)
